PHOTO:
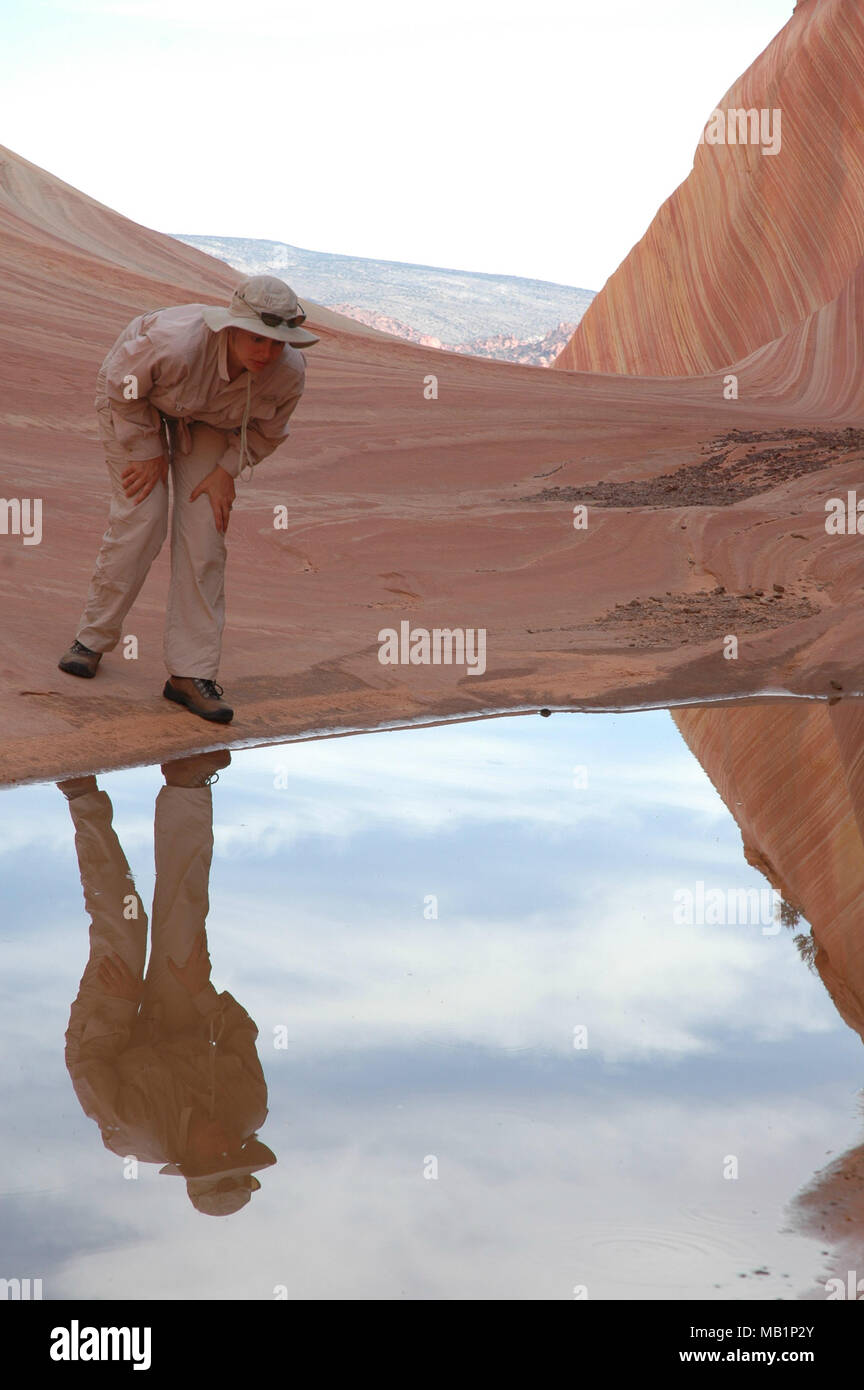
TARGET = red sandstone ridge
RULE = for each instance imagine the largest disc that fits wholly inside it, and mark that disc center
(792, 776)
(454, 510)
(755, 261)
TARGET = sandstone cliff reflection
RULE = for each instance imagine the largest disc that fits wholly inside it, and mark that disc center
(166, 1066)
(792, 775)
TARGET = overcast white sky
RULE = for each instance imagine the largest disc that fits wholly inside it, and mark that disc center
(489, 135)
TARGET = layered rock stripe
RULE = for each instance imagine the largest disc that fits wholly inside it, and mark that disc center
(458, 512)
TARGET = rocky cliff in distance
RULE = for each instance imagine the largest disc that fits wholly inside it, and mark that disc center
(508, 317)
(534, 352)
(539, 351)
(754, 262)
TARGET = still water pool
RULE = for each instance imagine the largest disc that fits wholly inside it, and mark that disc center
(493, 1059)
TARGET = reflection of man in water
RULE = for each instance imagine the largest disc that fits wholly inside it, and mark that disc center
(166, 1066)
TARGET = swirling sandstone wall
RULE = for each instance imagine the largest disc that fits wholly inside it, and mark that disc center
(756, 258)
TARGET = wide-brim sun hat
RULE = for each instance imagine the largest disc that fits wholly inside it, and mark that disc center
(221, 1192)
(262, 305)
(255, 1156)
(221, 1197)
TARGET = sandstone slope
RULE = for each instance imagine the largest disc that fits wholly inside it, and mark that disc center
(705, 516)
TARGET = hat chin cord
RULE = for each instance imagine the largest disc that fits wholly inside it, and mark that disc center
(243, 460)
(213, 1040)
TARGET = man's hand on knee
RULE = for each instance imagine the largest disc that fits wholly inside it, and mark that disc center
(194, 975)
(117, 979)
(139, 479)
(219, 487)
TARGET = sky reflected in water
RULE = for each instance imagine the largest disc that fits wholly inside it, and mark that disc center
(390, 1037)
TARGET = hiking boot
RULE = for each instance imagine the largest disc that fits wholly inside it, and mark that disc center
(198, 770)
(79, 660)
(77, 786)
(202, 696)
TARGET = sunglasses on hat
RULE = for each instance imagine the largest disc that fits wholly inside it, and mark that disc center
(245, 1180)
(276, 320)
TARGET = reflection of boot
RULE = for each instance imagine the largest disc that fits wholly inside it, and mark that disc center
(198, 770)
(77, 786)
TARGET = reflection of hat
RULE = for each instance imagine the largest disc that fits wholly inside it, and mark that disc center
(222, 1191)
(221, 1196)
(262, 305)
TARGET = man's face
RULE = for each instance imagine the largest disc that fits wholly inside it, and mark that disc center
(253, 350)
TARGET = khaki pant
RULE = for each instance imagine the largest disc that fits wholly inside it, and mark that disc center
(195, 616)
(183, 835)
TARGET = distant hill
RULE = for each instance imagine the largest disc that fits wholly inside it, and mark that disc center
(501, 316)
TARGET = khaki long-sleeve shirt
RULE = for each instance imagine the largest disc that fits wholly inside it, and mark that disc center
(142, 1094)
(169, 361)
